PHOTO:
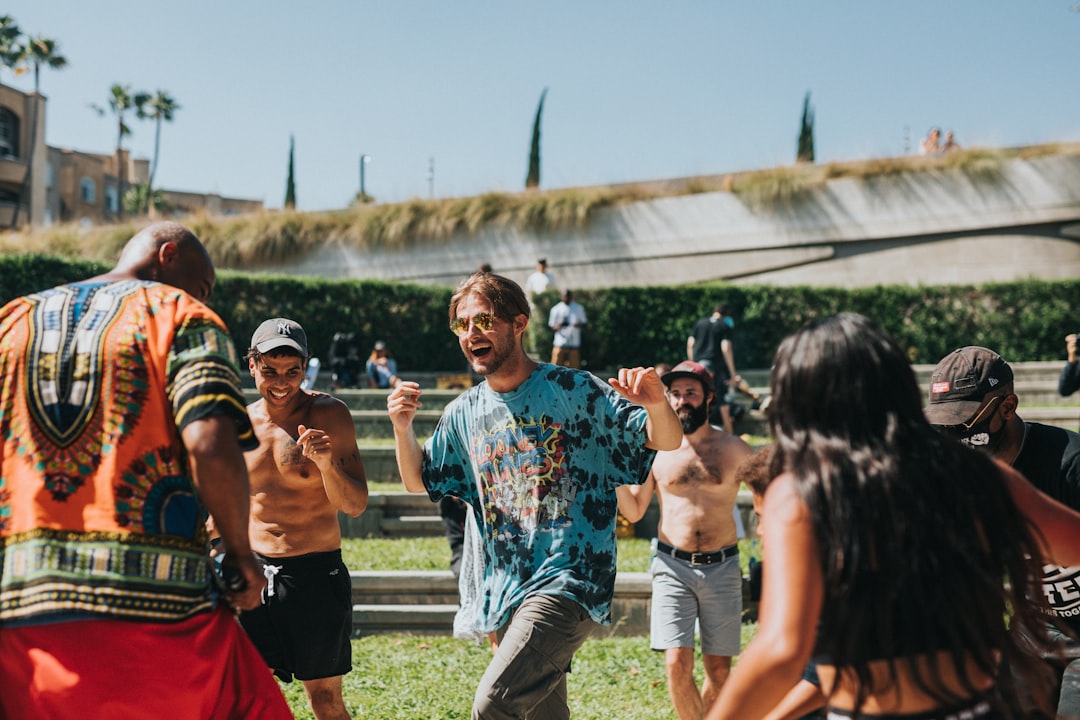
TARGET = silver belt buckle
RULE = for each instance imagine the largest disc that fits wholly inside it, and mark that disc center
(699, 558)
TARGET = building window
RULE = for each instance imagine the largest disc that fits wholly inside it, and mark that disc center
(89, 190)
(9, 133)
(48, 176)
(112, 203)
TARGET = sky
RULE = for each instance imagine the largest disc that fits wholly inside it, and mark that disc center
(636, 90)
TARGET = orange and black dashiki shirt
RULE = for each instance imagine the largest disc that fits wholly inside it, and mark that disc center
(99, 516)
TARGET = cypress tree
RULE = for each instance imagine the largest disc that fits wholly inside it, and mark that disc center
(532, 180)
(806, 132)
(290, 184)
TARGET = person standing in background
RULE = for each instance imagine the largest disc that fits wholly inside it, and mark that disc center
(950, 143)
(1069, 382)
(710, 345)
(566, 318)
(345, 361)
(931, 144)
(541, 280)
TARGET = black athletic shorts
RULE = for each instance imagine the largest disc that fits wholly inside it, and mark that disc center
(304, 625)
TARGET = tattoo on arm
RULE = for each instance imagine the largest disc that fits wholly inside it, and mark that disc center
(292, 454)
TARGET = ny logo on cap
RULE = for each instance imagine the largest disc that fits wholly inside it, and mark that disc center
(284, 329)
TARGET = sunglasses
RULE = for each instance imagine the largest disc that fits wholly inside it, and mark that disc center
(481, 321)
(983, 414)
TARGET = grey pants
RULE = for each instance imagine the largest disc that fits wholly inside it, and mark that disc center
(527, 676)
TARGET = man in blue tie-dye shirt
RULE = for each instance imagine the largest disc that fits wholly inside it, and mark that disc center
(536, 451)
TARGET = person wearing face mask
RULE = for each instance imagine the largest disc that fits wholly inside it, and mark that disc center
(972, 398)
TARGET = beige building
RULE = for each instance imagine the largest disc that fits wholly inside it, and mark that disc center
(22, 141)
(84, 187)
(183, 203)
(69, 185)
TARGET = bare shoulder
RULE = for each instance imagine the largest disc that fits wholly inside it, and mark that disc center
(321, 399)
(783, 501)
(258, 413)
(324, 406)
(719, 441)
(332, 415)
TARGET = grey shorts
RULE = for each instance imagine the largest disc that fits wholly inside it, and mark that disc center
(685, 596)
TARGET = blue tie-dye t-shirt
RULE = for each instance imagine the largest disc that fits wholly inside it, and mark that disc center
(540, 466)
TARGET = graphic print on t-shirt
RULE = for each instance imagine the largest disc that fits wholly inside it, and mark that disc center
(1062, 588)
(523, 476)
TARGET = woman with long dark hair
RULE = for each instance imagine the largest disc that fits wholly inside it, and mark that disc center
(902, 561)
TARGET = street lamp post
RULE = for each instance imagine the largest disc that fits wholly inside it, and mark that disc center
(364, 160)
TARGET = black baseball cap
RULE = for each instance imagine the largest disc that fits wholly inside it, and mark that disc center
(962, 381)
(277, 333)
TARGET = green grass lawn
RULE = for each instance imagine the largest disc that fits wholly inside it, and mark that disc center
(411, 677)
(408, 677)
(433, 553)
(384, 487)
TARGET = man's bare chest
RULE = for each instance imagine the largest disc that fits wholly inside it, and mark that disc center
(689, 469)
(278, 453)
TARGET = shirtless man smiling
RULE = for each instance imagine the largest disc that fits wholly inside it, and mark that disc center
(695, 570)
(304, 471)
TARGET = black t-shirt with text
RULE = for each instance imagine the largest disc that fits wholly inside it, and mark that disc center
(1050, 460)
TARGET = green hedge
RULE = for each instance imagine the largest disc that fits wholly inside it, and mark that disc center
(628, 325)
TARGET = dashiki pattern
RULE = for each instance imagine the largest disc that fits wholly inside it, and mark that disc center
(98, 512)
(539, 466)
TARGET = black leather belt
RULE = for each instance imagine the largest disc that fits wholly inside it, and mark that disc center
(698, 558)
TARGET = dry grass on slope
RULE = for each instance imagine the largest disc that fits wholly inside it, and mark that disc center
(273, 237)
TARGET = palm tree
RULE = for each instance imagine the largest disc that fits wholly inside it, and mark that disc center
(38, 51)
(158, 108)
(120, 101)
(11, 50)
(43, 51)
(139, 197)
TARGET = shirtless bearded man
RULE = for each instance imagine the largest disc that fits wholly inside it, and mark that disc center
(695, 570)
(305, 470)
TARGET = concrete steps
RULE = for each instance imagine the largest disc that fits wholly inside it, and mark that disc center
(393, 514)
(403, 618)
(410, 602)
(1036, 370)
(403, 514)
(1036, 386)
(424, 602)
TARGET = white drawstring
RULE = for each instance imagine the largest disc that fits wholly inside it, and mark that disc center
(269, 571)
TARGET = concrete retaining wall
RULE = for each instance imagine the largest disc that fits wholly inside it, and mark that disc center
(1004, 222)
